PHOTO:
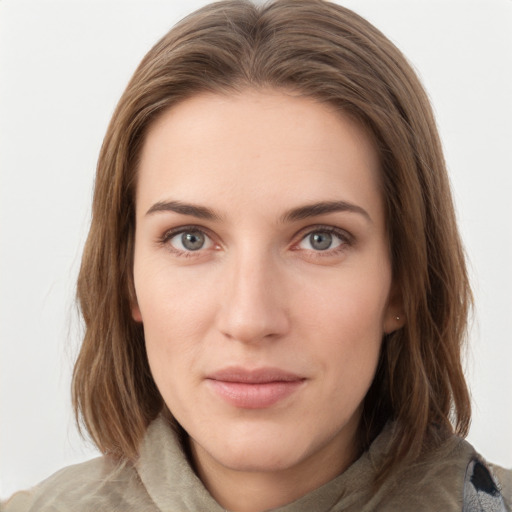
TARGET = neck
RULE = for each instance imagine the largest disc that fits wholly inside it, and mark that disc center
(254, 491)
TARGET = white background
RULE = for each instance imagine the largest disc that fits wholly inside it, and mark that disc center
(63, 66)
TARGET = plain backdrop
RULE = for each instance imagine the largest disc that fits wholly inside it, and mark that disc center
(63, 66)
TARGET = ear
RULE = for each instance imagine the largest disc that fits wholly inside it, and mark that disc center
(394, 316)
(136, 314)
(134, 304)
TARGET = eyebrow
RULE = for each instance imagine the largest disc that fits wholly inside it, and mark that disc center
(201, 212)
(296, 214)
(322, 208)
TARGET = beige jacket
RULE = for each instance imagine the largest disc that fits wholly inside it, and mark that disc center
(163, 481)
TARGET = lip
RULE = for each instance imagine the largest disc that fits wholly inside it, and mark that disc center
(254, 388)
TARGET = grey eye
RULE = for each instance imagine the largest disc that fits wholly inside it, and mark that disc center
(193, 240)
(320, 241)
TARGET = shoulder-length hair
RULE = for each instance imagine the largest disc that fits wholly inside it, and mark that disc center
(321, 50)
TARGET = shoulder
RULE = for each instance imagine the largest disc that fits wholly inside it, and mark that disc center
(487, 487)
(98, 484)
(453, 477)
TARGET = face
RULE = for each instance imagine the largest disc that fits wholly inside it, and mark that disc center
(262, 276)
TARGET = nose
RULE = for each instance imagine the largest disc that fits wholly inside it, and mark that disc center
(253, 300)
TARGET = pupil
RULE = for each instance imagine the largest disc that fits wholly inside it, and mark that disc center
(320, 241)
(192, 241)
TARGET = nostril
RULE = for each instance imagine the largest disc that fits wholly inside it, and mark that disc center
(252, 323)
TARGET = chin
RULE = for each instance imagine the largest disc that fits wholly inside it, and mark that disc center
(257, 457)
(257, 447)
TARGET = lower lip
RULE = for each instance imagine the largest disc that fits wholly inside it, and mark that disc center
(254, 396)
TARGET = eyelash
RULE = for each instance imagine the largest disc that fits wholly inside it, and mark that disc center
(346, 239)
(169, 235)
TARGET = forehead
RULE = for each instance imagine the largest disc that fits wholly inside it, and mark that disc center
(262, 147)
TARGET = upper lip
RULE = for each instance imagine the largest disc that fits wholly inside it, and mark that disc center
(253, 376)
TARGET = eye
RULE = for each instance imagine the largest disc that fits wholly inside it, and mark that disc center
(189, 240)
(322, 240)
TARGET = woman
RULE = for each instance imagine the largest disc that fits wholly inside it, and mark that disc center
(273, 286)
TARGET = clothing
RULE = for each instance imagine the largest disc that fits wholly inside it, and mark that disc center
(163, 481)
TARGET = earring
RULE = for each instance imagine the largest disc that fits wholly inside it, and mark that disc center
(397, 318)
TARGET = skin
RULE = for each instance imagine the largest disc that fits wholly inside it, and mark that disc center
(259, 292)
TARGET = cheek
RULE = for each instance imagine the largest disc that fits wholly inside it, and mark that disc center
(168, 297)
(347, 307)
(344, 319)
(176, 314)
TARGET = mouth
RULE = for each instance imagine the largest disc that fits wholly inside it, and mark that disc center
(254, 389)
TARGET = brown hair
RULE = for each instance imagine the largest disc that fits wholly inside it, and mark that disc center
(321, 50)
